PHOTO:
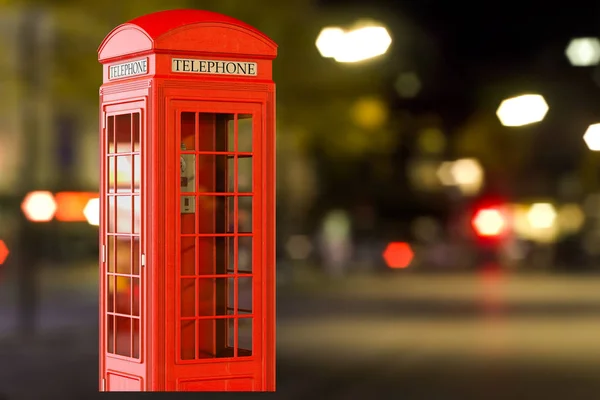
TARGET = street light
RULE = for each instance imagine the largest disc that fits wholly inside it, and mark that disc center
(522, 110)
(358, 44)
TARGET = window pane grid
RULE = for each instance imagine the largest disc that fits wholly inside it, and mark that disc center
(123, 223)
(213, 281)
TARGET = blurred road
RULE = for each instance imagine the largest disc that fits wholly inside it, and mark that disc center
(399, 335)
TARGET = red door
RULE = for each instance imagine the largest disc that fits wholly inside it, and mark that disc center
(122, 349)
(214, 281)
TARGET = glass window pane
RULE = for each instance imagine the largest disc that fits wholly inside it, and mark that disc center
(110, 129)
(135, 292)
(136, 338)
(123, 133)
(110, 290)
(212, 174)
(244, 295)
(110, 334)
(244, 254)
(245, 174)
(187, 220)
(231, 135)
(137, 214)
(112, 212)
(123, 345)
(188, 297)
(188, 256)
(230, 244)
(123, 295)
(211, 214)
(211, 337)
(136, 132)
(244, 214)
(188, 131)
(112, 174)
(245, 133)
(124, 255)
(231, 160)
(124, 214)
(212, 296)
(188, 345)
(136, 255)
(212, 255)
(137, 173)
(124, 174)
(187, 168)
(231, 294)
(244, 337)
(110, 254)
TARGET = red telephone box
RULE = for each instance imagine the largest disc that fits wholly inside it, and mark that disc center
(187, 229)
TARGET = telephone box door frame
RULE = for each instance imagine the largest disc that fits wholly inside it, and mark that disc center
(119, 372)
(231, 373)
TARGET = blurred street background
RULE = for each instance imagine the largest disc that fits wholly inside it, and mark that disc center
(438, 195)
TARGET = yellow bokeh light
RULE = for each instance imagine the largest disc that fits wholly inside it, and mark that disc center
(370, 113)
(489, 222)
(541, 215)
(570, 218)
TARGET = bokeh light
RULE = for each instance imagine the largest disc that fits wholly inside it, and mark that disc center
(583, 52)
(541, 215)
(522, 110)
(489, 222)
(398, 255)
(3, 252)
(367, 40)
(92, 212)
(592, 137)
(39, 206)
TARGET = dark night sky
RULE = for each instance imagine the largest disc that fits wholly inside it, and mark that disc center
(478, 43)
(471, 55)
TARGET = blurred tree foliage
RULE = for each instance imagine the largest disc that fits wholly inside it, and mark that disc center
(309, 87)
(315, 96)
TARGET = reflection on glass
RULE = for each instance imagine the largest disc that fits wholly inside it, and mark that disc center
(245, 133)
(245, 174)
(123, 133)
(136, 132)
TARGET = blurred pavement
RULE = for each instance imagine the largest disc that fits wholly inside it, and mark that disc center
(398, 335)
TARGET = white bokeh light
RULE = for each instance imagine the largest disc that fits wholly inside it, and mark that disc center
(583, 52)
(358, 44)
(522, 110)
(592, 137)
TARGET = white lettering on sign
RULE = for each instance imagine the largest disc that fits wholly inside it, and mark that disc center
(214, 67)
(132, 68)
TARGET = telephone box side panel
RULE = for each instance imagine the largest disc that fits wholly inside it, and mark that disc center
(270, 259)
(158, 216)
(101, 279)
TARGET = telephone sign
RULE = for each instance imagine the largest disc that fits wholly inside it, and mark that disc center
(187, 205)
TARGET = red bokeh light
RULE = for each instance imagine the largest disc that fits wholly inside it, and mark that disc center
(398, 255)
(3, 252)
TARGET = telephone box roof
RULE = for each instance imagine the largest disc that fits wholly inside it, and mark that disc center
(186, 30)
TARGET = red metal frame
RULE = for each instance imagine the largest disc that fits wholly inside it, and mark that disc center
(160, 96)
